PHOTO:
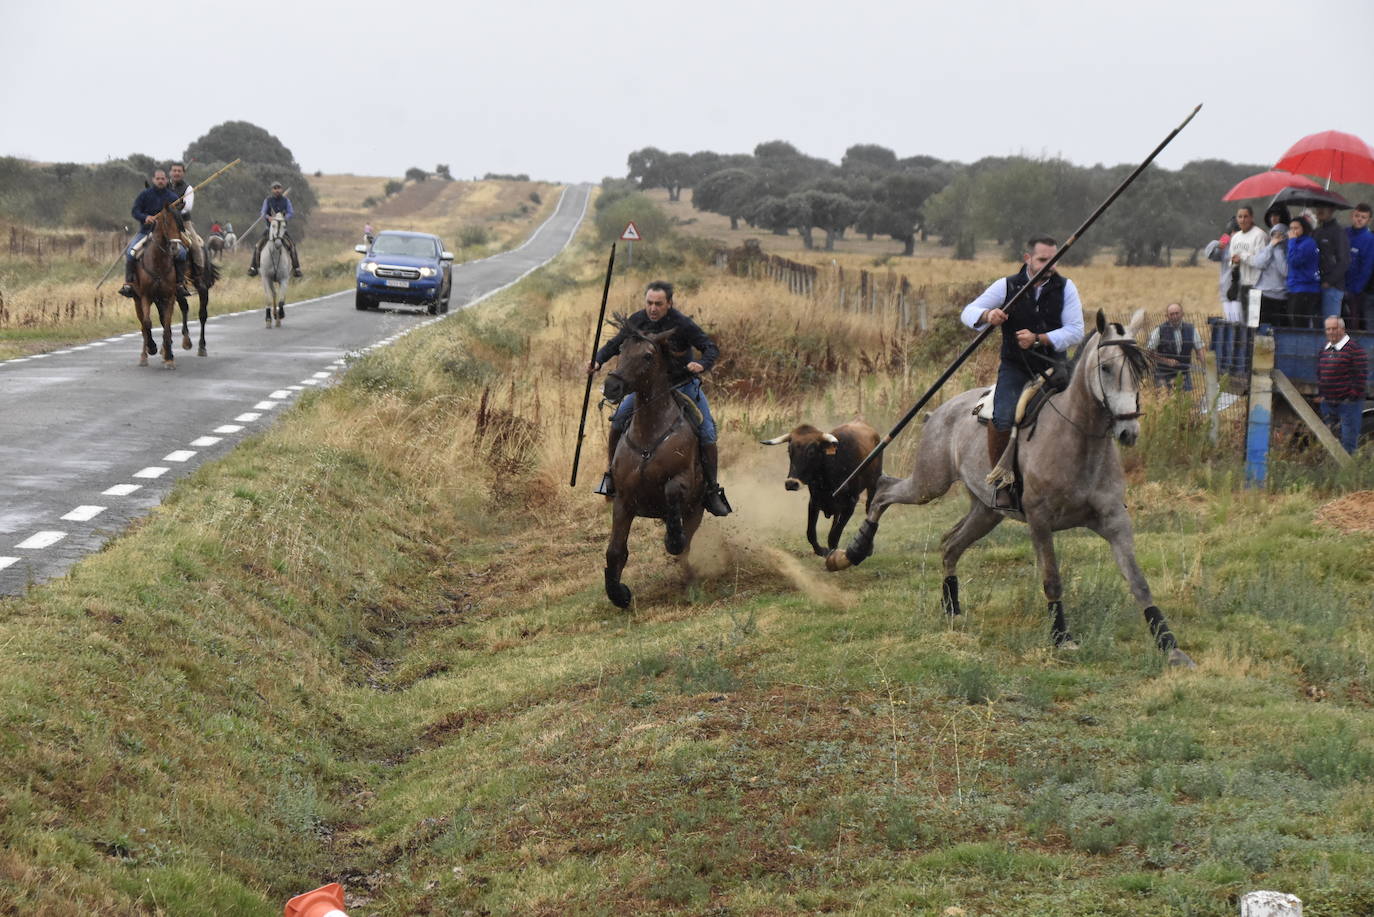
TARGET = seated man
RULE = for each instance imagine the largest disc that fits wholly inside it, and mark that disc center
(275, 203)
(1035, 335)
(147, 206)
(1173, 344)
(659, 315)
(176, 182)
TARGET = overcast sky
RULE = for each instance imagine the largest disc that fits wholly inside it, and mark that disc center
(564, 90)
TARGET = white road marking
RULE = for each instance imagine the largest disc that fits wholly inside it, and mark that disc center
(264, 405)
(205, 440)
(41, 540)
(322, 375)
(296, 388)
(84, 513)
(280, 393)
(180, 455)
(96, 344)
(7, 561)
(122, 490)
(152, 471)
(247, 417)
(228, 428)
(114, 340)
(310, 382)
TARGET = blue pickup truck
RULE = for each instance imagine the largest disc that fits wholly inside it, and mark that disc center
(405, 267)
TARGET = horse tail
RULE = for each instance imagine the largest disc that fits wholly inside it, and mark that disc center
(211, 272)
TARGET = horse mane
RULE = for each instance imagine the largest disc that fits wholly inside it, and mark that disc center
(1137, 358)
(621, 322)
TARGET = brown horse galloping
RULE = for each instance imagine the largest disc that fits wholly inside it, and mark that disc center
(656, 467)
(155, 284)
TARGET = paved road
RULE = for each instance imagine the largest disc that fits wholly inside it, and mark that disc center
(90, 441)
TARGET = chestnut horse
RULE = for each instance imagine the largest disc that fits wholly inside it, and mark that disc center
(203, 277)
(155, 284)
(656, 468)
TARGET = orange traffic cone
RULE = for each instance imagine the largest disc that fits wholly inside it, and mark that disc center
(325, 901)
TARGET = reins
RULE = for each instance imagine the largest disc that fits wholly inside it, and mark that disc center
(1126, 345)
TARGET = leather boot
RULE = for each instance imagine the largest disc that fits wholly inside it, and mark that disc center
(253, 265)
(130, 278)
(607, 487)
(714, 499)
(180, 267)
(295, 261)
(997, 444)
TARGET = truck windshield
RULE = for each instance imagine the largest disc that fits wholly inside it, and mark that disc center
(401, 245)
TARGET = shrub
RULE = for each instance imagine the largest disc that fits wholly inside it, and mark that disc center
(394, 187)
(472, 236)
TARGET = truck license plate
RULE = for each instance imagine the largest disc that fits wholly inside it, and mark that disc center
(398, 283)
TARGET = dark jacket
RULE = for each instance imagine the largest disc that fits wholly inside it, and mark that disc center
(1303, 259)
(150, 203)
(686, 336)
(1334, 246)
(1342, 374)
(1361, 258)
(1040, 315)
(273, 204)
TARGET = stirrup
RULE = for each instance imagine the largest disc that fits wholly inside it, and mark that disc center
(252, 271)
(715, 502)
(1004, 498)
(607, 487)
(127, 290)
(296, 272)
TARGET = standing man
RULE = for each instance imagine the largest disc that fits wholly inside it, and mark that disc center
(1358, 305)
(147, 206)
(177, 183)
(658, 315)
(1035, 335)
(276, 203)
(1247, 242)
(1342, 373)
(1334, 247)
(1173, 345)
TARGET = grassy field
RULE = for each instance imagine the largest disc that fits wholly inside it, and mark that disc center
(51, 301)
(372, 646)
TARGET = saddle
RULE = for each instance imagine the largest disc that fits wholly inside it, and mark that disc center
(689, 408)
(1033, 398)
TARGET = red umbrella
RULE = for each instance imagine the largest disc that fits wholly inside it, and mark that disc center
(1331, 155)
(1267, 183)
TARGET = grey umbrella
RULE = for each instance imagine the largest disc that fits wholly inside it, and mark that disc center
(1305, 197)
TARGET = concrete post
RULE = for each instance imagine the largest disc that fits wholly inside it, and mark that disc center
(1270, 904)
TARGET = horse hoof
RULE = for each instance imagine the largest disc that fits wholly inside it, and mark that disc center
(142, 361)
(185, 343)
(1181, 659)
(169, 365)
(1068, 643)
(278, 323)
(675, 545)
(202, 352)
(620, 596)
(836, 561)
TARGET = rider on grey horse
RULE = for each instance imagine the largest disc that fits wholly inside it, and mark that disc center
(658, 315)
(276, 203)
(1035, 337)
(147, 206)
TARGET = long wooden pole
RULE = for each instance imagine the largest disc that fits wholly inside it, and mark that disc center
(986, 332)
(596, 345)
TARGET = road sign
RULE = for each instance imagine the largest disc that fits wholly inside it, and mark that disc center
(631, 233)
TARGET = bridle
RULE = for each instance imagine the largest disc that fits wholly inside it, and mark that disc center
(1133, 354)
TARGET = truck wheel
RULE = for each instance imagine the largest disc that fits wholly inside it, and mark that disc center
(362, 302)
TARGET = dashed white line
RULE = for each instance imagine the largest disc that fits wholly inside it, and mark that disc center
(296, 388)
(264, 405)
(121, 490)
(310, 382)
(247, 417)
(84, 513)
(322, 375)
(280, 393)
(205, 440)
(152, 471)
(7, 561)
(180, 455)
(228, 428)
(41, 540)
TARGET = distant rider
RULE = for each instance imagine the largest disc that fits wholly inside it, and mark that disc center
(658, 315)
(147, 206)
(276, 203)
(1035, 336)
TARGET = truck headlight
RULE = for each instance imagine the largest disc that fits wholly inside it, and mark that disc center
(427, 272)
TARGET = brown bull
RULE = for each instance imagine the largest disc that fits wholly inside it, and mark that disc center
(821, 461)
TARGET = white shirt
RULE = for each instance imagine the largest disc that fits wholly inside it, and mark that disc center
(1071, 317)
(1249, 244)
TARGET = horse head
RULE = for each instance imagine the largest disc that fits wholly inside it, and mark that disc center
(276, 227)
(643, 365)
(1113, 370)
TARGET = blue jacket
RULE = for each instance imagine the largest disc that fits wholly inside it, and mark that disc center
(273, 204)
(150, 203)
(1303, 265)
(1361, 259)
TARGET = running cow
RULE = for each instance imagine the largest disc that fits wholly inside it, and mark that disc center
(821, 461)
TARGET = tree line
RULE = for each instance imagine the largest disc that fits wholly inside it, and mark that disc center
(874, 192)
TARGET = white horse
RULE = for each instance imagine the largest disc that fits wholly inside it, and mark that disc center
(275, 268)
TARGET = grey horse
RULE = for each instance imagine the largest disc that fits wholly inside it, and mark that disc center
(275, 268)
(1070, 470)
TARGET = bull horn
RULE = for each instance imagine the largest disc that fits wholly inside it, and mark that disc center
(777, 440)
(829, 438)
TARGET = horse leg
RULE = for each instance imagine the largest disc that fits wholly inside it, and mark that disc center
(689, 529)
(837, 528)
(204, 316)
(1042, 538)
(812, 511)
(185, 319)
(1120, 534)
(164, 314)
(915, 489)
(617, 552)
(145, 325)
(977, 522)
(674, 538)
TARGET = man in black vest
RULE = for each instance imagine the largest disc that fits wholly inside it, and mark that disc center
(1173, 345)
(1038, 332)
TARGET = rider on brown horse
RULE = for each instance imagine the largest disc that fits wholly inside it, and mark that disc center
(146, 207)
(274, 203)
(176, 181)
(658, 315)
